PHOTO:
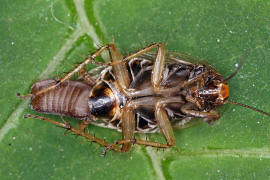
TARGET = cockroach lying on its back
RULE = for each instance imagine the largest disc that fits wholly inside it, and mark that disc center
(136, 93)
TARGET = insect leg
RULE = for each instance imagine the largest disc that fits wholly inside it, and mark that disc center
(164, 124)
(121, 73)
(163, 120)
(161, 90)
(158, 68)
(119, 67)
(134, 141)
(128, 124)
(75, 131)
(210, 116)
(87, 78)
(159, 63)
(128, 128)
(84, 124)
(142, 142)
(157, 74)
(71, 73)
(143, 51)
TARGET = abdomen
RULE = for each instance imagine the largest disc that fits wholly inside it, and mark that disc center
(69, 99)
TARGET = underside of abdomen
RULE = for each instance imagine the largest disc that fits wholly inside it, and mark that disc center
(69, 99)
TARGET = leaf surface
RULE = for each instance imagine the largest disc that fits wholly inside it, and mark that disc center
(41, 39)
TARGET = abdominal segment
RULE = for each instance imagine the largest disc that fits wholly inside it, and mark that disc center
(69, 99)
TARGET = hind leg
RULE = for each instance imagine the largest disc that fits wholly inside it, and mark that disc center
(78, 132)
(77, 69)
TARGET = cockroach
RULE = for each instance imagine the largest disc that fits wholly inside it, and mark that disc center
(139, 93)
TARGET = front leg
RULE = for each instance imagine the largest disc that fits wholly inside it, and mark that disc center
(208, 116)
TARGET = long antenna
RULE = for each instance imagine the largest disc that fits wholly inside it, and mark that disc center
(249, 107)
(237, 69)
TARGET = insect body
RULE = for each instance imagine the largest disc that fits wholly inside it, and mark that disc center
(136, 93)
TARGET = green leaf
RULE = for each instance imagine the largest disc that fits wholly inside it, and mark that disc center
(40, 39)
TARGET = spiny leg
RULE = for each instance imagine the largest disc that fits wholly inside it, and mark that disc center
(143, 142)
(84, 124)
(143, 51)
(71, 73)
(119, 67)
(74, 130)
(134, 141)
(67, 124)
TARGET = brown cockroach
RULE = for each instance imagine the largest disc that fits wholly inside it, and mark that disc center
(137, 93)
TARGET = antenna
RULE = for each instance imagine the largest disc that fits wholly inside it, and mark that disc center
(231, 76)
(238, 68)
(249, 107)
